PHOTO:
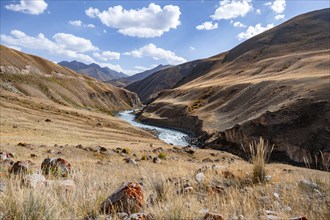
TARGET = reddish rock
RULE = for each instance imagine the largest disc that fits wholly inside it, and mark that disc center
(128, 198)
(212, 216)
(21, 167)
(56, 167)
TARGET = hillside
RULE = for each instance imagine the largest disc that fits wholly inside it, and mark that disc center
(274, 85)
(151, 86)
(121, 82)
(93, 70)
(33, 76)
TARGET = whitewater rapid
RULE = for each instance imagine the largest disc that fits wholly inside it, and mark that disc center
(169, 136)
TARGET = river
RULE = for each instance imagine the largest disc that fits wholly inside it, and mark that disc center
(169, 136)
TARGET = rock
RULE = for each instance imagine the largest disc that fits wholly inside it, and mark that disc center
(56, 167)
(34, 180)
(102, 149)
(158, 150)
(188, 189)
(127, 198)
(156, 160)
(50, 151)
(131, 161)
(298, 218)
(48, 120)
(79, 146)
(207, 160)
(141, 216)
(200, 177)
(268, 178)
(99, 124)
(33, 156)
(212, 216)
(188, 150)
(309, 184)
(4, 156)
(2, 187)
(21, 167)
(122, 215)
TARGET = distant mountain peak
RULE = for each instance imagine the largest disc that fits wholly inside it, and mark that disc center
(93, 70)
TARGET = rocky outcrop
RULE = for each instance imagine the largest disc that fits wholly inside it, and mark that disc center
(128, 198)
(300, 133)
(56, 167)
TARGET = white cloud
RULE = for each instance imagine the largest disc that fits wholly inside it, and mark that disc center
(258, 11)
(79, 23)
(191, 48)
(107, 55)
(71, 42)
(152, 21)
(278, 6)
(207, 26)
(156, 53)
(239, 24)
(252, 31)
(104, 31)
(279, 17)
(229, 9)
(28, 7)
(61, 48)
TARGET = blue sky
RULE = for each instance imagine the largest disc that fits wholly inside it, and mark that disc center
(132, 36)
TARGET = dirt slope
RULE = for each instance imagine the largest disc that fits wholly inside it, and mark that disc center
(274, 85)
(33, 76)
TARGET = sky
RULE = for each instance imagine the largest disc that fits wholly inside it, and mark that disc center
(133, 36)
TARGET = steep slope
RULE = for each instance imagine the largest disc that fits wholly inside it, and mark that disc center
(93, 70)
(275, 85)
(33, 76)
(151, 86)
(121, 82)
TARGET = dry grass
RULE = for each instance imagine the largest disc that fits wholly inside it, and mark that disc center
(259, 154)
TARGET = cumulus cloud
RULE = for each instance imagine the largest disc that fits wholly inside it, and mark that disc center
(71, 42)
(107, 55)
(207, 26)
(229, 9)
(28, 7)
(61, 47)
(79, 23)
(278, 6)
(238, 24)
(279, 17)
(258, 11)
(156, 53)
(148, 22)
(252, 31)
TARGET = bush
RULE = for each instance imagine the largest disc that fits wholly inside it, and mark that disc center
(259, 154)
(126, 150)
(162, 156)
(144, 157)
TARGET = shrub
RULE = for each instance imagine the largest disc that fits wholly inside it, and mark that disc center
(162, 156)
(144, 157)
(259, 154)
(126, 150)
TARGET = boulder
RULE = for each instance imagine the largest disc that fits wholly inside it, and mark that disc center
(212, 216)
(141, 216)
(128, 198)
(156, 160)
(21, 167)
(56, 167)
(4, 156)
(34, 180)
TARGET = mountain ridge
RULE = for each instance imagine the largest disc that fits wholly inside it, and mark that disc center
(93, 70)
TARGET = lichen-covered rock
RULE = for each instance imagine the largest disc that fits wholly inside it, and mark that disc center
(21, 167)
(128, 198)
(56, 167)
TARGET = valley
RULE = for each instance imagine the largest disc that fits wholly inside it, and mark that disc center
(241, 135)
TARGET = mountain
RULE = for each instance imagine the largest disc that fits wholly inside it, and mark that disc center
(121, 82)
(149, 87)
(33, 76)
(93, 70)
(274, 85)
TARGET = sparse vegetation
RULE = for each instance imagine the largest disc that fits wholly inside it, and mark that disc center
(259, 154)
(162, 155)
